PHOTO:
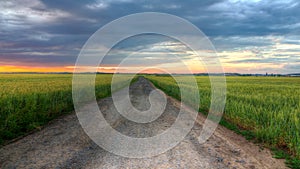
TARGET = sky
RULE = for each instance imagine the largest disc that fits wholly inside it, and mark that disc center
(249, 36)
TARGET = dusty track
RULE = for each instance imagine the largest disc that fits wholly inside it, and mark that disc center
(63, 143)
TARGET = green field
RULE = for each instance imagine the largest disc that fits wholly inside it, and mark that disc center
(28, 101)
(264, 108)
(268, 107)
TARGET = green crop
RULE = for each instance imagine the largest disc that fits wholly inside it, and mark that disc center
(28, 101)
(268, 107)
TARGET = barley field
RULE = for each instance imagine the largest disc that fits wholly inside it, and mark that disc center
(29, 101)
(268, 107)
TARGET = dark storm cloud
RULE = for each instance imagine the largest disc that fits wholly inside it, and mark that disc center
(213, 17)
(250, 18)
(59, 28)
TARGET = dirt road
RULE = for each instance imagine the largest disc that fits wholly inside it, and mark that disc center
(63, 143)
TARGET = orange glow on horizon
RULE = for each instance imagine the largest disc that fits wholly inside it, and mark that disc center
(16, 69)
(10, 68)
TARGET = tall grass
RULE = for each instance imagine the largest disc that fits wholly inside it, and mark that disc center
(269, 107)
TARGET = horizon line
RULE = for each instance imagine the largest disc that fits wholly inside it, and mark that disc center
(199, 73)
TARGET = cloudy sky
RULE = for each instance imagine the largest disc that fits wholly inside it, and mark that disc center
(250, 36)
